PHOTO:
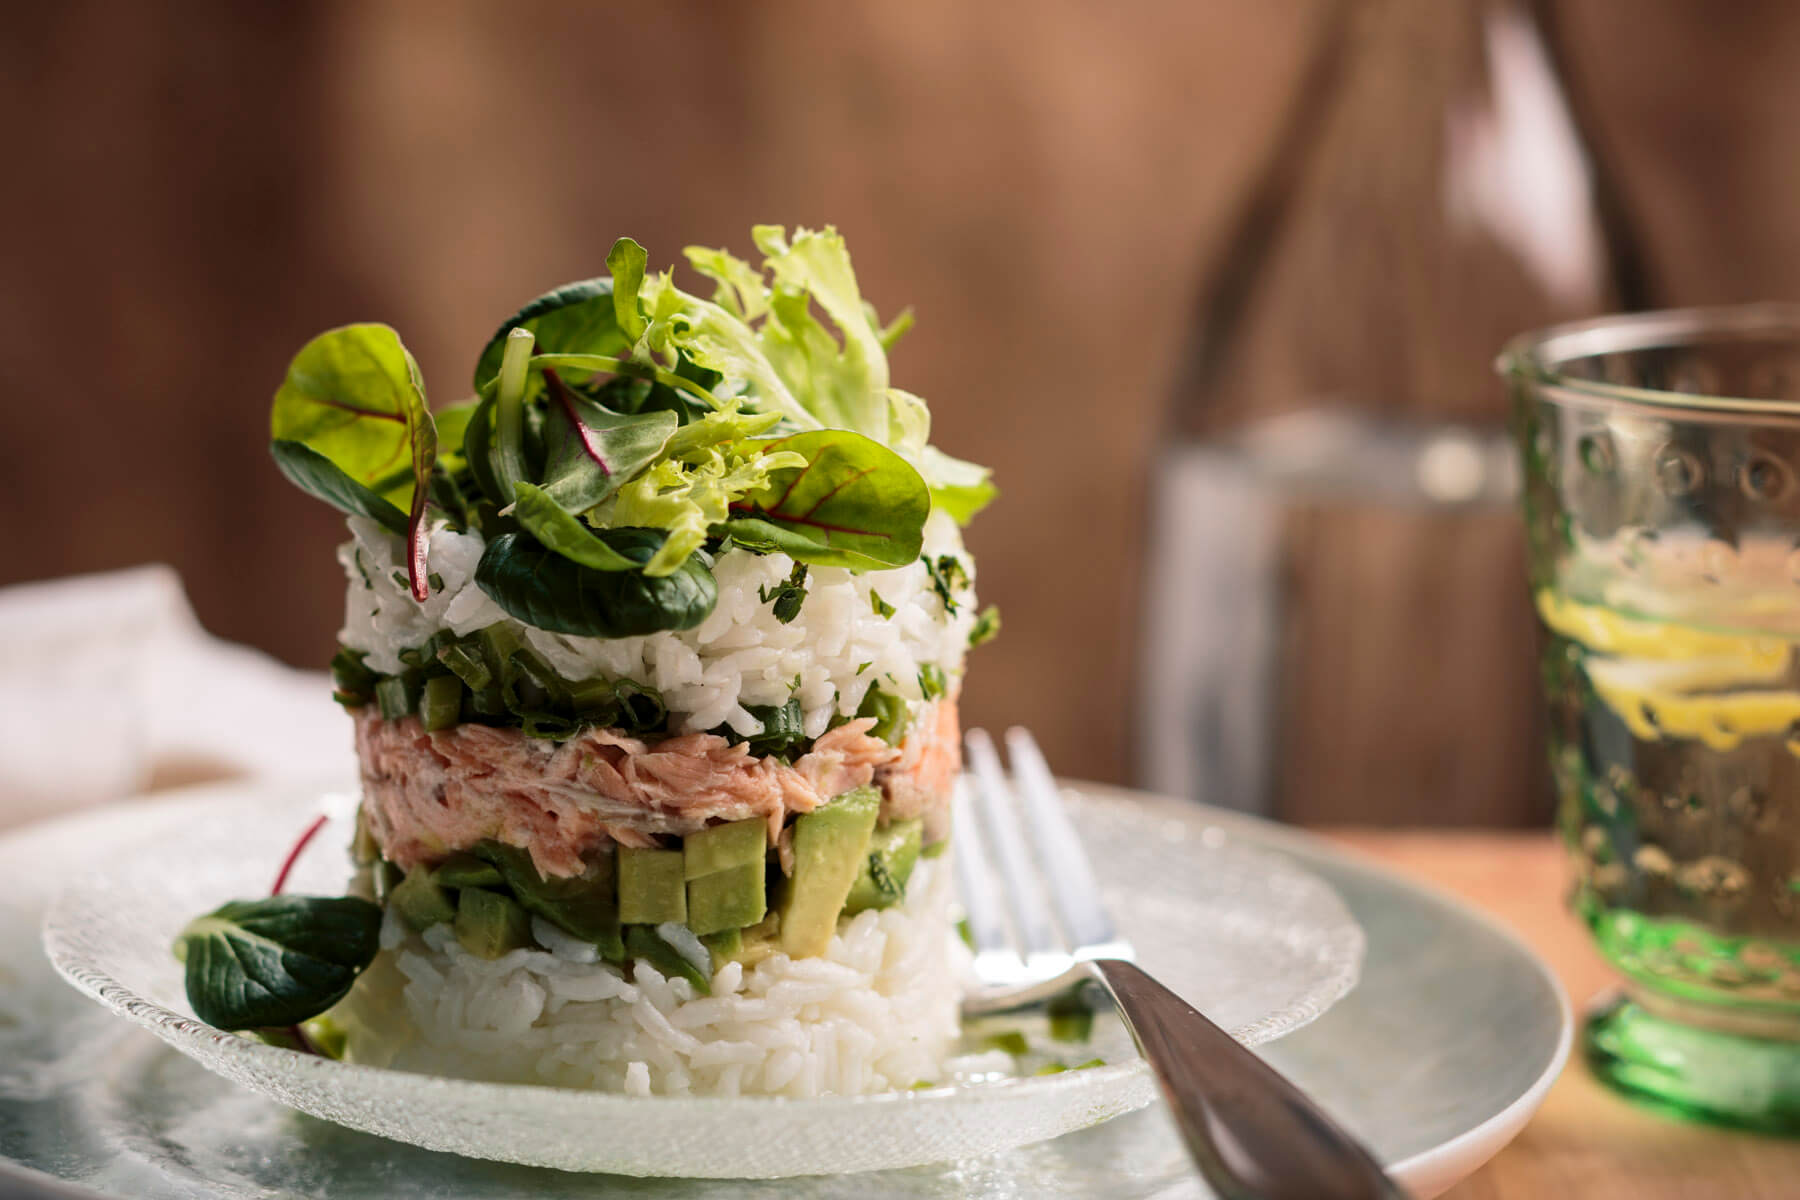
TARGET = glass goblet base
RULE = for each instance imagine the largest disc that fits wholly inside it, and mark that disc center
(1693, 1072)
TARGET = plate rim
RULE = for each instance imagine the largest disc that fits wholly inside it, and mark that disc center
(1426, 1172)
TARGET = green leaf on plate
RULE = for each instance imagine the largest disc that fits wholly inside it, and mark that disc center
(254, 964)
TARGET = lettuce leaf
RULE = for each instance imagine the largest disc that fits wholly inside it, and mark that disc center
(707, 466)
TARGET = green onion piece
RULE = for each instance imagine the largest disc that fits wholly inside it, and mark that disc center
(391, 695)
(1054, 1068)
(467, 664)
(1089, 1064)
(641, 707)
(354, 681)
(591, 696)
(440, 706)
(548, 726)
(530, 686)
(498, 641)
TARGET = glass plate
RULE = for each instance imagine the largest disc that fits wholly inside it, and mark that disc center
(1261, 945)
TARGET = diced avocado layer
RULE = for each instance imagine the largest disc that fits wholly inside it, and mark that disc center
(719, 890)
(893, 852)
(652, 886)
(830, 844)
(421, 902)
(464, 869)
(720, 847)
(489, 924)
(728, 899)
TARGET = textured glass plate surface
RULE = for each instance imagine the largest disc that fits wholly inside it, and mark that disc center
(1258, 943)
(1436, 1059)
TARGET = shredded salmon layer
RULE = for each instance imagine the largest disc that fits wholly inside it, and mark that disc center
(428, 795)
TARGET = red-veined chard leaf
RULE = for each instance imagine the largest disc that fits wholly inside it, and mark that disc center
(590, 450)
(543, 589)
(354, 396)
(259, 964)
(854, 504)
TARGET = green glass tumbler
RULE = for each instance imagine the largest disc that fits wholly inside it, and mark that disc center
(1660, 456)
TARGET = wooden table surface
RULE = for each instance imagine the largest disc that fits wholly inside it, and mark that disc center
(1586, 1141)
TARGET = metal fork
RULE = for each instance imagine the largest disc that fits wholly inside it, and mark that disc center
(1254, 1135)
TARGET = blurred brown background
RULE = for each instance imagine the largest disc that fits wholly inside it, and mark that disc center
(197, 188)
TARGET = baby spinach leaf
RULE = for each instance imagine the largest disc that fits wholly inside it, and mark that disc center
(322, 479)
(854, 503)
(540, 587)
(354, 396)
(252, 964)
(564, 533)
(576, 318)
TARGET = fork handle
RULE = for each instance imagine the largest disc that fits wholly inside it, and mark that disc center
(1253, 1134)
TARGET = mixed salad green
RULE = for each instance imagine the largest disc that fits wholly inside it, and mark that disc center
(623, 431)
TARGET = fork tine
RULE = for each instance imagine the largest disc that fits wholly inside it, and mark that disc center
(975, 882)
(1059, 850)
(1018, 877)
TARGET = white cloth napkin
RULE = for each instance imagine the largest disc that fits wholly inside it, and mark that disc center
(108, 681)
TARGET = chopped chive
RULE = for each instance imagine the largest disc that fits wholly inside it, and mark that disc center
(882, 608)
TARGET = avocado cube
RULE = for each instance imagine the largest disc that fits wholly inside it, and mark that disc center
(718, 847)
(651, 887)
(463, 869)
(489, 924)
(422, 903)
(723, 945)
(893, 851)
(830, 845)
(728, 899)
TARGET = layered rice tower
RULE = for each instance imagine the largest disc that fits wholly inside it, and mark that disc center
(653, 652)
(789, 964)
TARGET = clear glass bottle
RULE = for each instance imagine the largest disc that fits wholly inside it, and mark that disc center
(1334, 627)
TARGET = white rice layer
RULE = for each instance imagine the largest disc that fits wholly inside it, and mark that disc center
(877, 1012)
(829, 655)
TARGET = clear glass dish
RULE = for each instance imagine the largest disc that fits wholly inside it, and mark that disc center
(1261, 945)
